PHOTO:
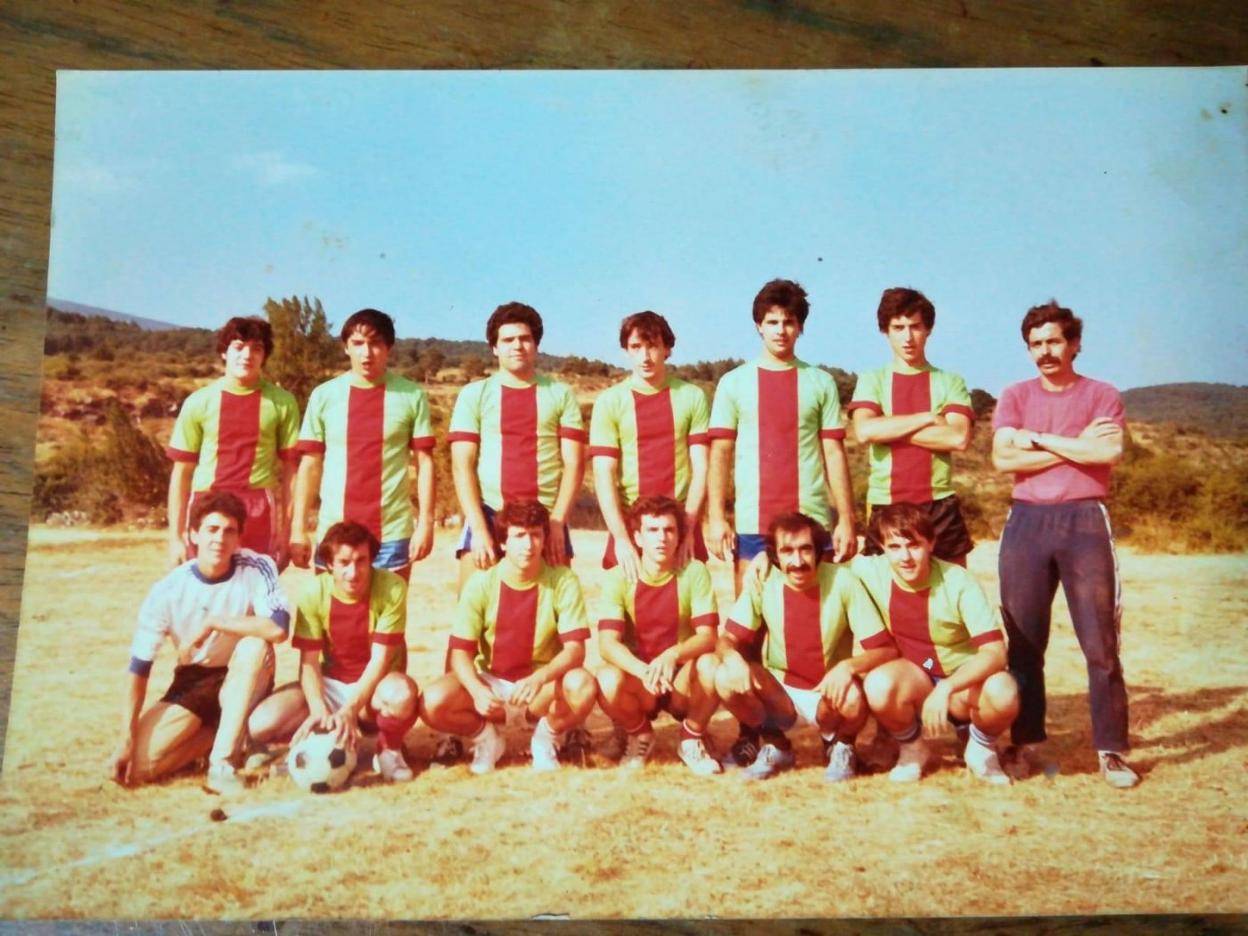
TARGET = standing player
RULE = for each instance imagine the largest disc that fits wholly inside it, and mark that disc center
(648, 438)
(358, 438)
(811, 611)
(656, 637)
(222, 610)
(349, 631)
(516, 435)
(952, 666)
(237, 434)
(776, 431)
(1059, 434)
(517, 646)
(913, 415)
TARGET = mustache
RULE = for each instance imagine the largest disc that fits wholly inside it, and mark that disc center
(799, 567)
(1047, 360)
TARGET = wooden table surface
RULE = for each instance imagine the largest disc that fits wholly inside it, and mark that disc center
(36, 38)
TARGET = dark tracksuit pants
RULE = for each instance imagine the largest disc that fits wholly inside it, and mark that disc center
(1068, 542)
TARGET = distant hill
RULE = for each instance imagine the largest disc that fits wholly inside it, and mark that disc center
(1221, 410)
(79, 308)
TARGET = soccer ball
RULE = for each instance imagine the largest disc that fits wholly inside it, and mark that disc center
(318, 765)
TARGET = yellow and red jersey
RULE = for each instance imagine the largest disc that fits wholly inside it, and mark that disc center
(939, 626)
(652, 615)
(344, 630)
(515, 627)
(807, 631)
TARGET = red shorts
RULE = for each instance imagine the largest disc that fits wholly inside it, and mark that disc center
(699, 549)
(259, 530)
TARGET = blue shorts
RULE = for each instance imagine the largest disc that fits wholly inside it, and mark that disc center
(465, 538)
(393, 555)
(750, 545)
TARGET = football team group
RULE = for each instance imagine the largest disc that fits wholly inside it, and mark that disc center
(759, 478)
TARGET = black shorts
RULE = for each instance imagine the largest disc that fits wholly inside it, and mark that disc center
(196, 688)
(953, 541)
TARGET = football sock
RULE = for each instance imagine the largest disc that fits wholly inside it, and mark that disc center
(392, 730)
(543, 729)
(981, 737)
(686, 732)
(906, 735)
(640, 727)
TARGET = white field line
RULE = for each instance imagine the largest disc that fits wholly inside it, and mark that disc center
(113, 852)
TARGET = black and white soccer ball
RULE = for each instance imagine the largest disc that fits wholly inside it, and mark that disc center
(318, 764)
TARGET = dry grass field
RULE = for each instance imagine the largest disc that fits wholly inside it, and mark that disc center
(595, 843)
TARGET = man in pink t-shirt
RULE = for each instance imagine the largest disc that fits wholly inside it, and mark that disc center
(1059, 434)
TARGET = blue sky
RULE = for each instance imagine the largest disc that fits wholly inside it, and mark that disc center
(193, 196)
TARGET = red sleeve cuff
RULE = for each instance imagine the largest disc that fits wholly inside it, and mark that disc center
(581, 633)
(705, 620)
(831, 433)
(389, 639)
(987, 637)
(729, 434)
(869, 405)
(311, 447)
(876, 641)
(700, 438)
(423, 444)
(306, 643)
(290, 455)
(463, 437)
(178, 455)
(742, 635)
(462, 643)
(573, 434)
(960, 410)
(604, 451)
(612, 624)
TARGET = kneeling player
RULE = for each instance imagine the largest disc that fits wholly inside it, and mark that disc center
(811, 612)
(524, 622)
(657, 640)
(952, 666)
(222, 610)
(349, 630)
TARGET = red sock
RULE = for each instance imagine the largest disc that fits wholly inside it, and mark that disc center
(393, 729)
(686, 732)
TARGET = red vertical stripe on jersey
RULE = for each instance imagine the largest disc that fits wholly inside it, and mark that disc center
(803, 638)
(656, 443)
(514, 631)
(349, 646)
(238, 429)
(908, 620)
(911, 482)
(366, 413)
(656, 611)
(518, 427)
(777, 444)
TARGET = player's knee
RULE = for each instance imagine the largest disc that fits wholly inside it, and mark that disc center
(437, 696)
(250, 652)
(396, 696)
(880, 689)
(1000, 691)
(854, 706)
(579, 686)
(704, 669)
(610, 681)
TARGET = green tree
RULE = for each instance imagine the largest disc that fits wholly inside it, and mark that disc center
(305, 351)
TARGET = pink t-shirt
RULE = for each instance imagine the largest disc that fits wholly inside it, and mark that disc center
(1027, 405)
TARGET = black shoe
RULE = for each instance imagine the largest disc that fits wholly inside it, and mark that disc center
(448, 752)
(744, 750)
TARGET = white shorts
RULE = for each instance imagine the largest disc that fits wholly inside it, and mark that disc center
(336, 693)
(503, 688)
(805, 702)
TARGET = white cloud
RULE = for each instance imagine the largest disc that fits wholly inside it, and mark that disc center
(272, 168)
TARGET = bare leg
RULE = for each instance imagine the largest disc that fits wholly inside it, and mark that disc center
(279, 716)
(168, 737)
(246, 682)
